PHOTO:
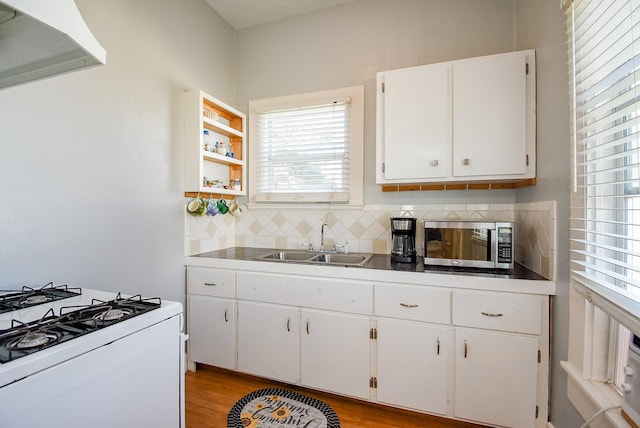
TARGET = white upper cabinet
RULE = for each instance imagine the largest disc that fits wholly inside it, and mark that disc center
(470, 120)
(415, 113)
(489, 116)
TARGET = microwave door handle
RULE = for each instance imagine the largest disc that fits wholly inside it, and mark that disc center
(493, 239)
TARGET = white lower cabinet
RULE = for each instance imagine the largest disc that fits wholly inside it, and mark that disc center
(211, 317)
(335, 352)
(479, 356)
(269, 341)
(413, 361)
(496, 378)
(212, 331)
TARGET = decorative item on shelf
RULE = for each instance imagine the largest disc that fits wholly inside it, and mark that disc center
(212, 183)
(210, 114)
(230, 155)
(221, 148)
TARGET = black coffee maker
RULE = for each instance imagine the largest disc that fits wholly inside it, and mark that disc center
(403, 239)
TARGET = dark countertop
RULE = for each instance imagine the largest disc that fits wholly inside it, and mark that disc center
(383, 262)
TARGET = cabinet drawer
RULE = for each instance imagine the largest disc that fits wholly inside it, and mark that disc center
(211, 282)
(516, 313)
(413, 303)
(320, 293)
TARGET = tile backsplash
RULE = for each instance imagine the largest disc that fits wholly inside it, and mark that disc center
(368, 229)
(536, 237)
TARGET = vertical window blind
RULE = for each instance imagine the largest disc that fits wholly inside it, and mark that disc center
(302, 153)
(604, 42)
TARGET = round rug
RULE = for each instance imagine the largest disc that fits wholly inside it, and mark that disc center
(280, 408)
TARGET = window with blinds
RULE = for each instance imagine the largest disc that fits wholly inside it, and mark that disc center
(305, 151)
(307, 148)
(604, 41)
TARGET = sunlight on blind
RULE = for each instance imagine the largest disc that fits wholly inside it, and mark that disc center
(605, 204)
(303, 153)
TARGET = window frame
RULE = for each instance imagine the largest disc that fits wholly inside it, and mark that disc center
(356, 142)
(595, 311)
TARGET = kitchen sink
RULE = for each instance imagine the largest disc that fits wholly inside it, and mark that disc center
(292, 256)
(342, 259)
(355, 259)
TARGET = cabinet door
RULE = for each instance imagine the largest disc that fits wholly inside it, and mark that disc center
(496, 377)
(412, 365)
(335, 352)
(269, 341)
(212, 337)
(490, 115)
(414, 122)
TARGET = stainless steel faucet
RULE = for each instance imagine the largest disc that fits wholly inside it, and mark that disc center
(322, 236)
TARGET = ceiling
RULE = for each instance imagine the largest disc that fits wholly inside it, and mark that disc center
(247, 13)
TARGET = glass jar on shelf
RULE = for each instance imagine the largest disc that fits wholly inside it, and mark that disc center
(206, 141)
(235, 184)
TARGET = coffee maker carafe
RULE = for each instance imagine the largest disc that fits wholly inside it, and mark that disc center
(403, 239)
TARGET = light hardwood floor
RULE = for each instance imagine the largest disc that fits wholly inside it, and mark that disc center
(211, 392)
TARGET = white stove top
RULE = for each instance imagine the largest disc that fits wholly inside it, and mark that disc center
(17, 369)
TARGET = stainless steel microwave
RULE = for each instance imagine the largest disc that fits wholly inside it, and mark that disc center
(475, 244)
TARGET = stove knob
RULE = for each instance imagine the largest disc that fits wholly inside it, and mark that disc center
(628, 371)
(626, 387)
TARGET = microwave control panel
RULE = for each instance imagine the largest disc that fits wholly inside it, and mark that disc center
(505, 244)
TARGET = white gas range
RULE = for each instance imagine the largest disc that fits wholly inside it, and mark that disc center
(74, 357)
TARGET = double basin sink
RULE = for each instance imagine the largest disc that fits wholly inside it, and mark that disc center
(333, 259)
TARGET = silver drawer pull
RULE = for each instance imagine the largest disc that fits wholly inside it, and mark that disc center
(489, 314)
(408, 305)
(210, 284)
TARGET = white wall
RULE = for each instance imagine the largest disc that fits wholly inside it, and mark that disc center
(542, 24)
(91, 162)
(348, 44)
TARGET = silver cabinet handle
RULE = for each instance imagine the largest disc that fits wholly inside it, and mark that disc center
(489, 314)
(465, 349)
(466, 162)
(408, 305)
(226, 314)
(438, 346)
(288, 324)
(434, 162)
(210, 284)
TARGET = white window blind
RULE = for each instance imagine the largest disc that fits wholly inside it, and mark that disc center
(604, 42)
(302, 153)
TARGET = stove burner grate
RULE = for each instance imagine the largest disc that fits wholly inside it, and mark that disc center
(23, 339)
(14, 300)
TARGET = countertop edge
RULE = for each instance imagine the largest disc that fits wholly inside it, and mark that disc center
(524, 286)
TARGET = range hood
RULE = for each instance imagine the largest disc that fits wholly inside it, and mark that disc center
(41, 38)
